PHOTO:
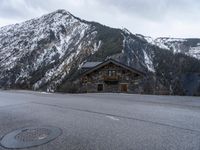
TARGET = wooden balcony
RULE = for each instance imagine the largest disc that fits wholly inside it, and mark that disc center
(111, 78)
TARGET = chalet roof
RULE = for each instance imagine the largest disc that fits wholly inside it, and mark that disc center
(116, 63)
(90, 64)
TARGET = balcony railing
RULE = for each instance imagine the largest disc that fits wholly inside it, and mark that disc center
(111, 78)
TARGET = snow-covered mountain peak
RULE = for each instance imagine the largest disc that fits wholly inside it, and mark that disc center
(49, 43)
(149, 39)
(168, 39)
(126, 31)
(190, 47)
(62, 11)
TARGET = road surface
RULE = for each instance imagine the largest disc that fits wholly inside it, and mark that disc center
(105, 121)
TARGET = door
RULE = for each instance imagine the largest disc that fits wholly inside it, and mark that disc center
(124, 87)
(100, 87)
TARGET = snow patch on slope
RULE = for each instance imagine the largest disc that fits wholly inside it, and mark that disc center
(194, 52)
(148, 62)
(176, 45)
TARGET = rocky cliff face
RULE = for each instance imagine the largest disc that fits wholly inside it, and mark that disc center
(46, 52)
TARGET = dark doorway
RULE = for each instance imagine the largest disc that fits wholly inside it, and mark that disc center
(124, 87)
(100, 87)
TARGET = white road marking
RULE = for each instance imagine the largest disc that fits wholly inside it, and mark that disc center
(113, 118)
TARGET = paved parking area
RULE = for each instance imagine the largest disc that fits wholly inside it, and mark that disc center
(105, 121)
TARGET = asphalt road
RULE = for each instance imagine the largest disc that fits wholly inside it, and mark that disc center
(105, 121)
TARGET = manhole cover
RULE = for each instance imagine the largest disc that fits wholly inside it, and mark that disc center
(30, 136)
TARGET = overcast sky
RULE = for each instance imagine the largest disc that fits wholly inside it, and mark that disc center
(171, 18)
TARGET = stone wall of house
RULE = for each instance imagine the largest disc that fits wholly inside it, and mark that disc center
(122, 76)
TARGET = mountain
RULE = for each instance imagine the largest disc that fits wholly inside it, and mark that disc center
(190, 47)
(47, 53)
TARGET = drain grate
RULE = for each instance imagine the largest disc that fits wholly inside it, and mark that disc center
(30, 137)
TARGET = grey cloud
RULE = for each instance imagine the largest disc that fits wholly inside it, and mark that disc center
(17, 9)
(8, 10)
(148, 9)
(143, 8)
(154, 9)
(149, 17)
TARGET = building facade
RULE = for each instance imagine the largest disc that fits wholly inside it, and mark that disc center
(111, 76)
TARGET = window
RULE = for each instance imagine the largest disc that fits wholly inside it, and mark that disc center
(84, 80)
(111, 73)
